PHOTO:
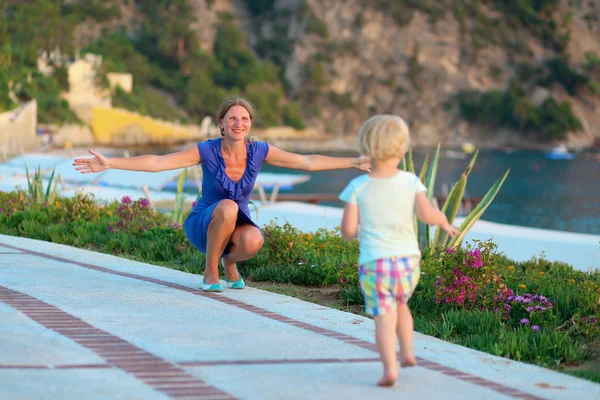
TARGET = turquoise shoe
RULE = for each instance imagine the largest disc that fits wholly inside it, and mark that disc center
(207, 287)
(239, 284)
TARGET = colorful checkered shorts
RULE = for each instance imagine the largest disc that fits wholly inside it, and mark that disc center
(388, 282)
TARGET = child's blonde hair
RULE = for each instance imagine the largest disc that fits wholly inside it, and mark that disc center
(383, 136)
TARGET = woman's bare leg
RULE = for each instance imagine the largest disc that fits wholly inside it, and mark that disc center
(404, 330)
(385, 337)
(220, 229)
(245, 242)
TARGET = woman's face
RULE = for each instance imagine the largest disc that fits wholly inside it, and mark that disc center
(236, 123)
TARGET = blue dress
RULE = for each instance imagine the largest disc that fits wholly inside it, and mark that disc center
(217, 186)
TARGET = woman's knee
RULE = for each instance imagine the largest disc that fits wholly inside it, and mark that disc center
(253, 242)
(226, 210)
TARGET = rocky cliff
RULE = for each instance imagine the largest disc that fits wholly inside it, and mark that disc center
(345, 60)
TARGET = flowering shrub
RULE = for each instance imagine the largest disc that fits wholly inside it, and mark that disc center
(466, 277)
(530, 310)
(136, 216)
(11, 202)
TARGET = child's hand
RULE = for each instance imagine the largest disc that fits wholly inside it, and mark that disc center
(450, 230)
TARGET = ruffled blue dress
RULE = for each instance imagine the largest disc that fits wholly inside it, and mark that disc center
(217, 186)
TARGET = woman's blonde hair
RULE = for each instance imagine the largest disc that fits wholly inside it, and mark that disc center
(383, 136)
(235, 101)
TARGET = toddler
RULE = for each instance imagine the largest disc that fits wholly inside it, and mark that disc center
(380, 207)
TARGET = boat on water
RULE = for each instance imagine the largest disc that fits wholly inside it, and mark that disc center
(456, 155)
(559, 153)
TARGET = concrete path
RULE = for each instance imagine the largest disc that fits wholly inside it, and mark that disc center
(82, 325)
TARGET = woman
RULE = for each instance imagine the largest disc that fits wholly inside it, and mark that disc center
(220, 224)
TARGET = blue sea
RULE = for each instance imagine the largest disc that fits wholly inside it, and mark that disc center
(560, 195)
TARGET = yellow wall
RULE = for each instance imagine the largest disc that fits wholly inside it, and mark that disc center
(118, 126)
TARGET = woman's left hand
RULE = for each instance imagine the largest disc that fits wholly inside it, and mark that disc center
(362, 163)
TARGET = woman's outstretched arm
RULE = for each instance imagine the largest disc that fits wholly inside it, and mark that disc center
(148, 163)
(314, 162)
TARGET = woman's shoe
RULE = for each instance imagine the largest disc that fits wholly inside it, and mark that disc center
(208, 287)
(239, 284)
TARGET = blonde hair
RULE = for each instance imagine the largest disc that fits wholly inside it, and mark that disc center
(383, 136)
(235, 101)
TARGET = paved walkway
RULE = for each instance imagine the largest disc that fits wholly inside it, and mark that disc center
(77, 324)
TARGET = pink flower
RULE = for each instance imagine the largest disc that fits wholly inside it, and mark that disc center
(535, 328)
(126, 200)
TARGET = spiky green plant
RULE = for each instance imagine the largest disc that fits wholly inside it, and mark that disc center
(35, 187)
(451, 206)
(177, 215)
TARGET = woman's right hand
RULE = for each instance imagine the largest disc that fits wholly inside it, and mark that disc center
(87, 165)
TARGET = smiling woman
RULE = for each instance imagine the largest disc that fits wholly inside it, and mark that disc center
(220, 225)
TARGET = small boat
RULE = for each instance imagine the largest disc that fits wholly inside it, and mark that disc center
(559, 153)
(457, 155)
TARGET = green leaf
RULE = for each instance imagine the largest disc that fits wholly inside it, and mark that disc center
(409, 161)
(478, 211)
(452, 204)
(423, 173)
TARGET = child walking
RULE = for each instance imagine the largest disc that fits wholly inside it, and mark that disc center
(384, 202)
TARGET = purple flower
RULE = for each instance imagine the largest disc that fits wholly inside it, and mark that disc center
(529, 309)
(535, 328)
(194, 204)
(110, 228)
(524, 321)
(450, 250)
(126, 200)
(341, 280)
(143, 203)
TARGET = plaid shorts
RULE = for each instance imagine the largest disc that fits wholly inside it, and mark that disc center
(388, 282)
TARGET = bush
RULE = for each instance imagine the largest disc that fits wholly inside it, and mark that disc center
(51, 108)
(561, 71)
(292, 116)
(317, 26)
(511, 109)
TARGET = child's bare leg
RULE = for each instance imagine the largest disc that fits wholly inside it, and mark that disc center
(404, 330)
(385, 337)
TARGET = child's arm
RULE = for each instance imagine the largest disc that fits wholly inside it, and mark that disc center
(349, 226)
(431, 215)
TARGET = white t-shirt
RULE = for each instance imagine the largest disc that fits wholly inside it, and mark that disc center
(386, 209)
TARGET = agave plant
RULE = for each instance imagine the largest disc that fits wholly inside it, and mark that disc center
(35, 188)
(177, 215)
(451, 206)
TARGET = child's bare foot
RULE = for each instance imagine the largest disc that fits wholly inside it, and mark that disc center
(388, 378)
(407, 361)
